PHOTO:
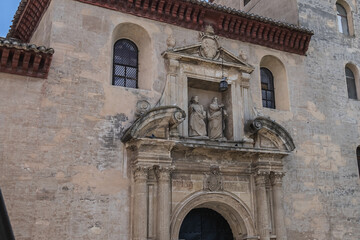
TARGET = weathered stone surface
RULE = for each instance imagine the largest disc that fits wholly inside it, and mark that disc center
(65, 174)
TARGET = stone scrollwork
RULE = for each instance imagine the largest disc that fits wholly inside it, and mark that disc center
(213, 181)
(142, 106)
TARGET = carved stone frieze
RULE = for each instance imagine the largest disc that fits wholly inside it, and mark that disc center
(213, 181)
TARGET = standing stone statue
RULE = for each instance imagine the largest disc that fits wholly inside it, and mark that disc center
(197, 116)
(216, 117)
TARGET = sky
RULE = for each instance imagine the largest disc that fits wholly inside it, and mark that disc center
(7, 12)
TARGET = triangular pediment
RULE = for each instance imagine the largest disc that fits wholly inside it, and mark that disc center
(222, 56)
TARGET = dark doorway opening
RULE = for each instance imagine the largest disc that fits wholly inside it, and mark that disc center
(205, 224)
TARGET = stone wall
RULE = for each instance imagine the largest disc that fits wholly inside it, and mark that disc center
(64, 171)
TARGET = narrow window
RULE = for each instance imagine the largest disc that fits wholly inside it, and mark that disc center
(267, 88)
(350, 82)
(125, 72)
(358, 158)
(342, 19)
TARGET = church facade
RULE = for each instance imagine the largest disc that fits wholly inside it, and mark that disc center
(168, 120)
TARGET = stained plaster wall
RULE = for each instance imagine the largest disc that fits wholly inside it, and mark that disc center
(63, 170)
(285, 11)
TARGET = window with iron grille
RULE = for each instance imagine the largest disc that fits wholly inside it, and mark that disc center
(125, 72)
(342, 19)
(267, 88)
(350, 82)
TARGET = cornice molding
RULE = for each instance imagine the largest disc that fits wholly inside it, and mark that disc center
(226, 22)
(24, 59)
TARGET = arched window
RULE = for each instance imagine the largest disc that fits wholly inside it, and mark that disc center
(358, 158)
(342, 19)
(267, 88)
(125, 71)
(350, 82)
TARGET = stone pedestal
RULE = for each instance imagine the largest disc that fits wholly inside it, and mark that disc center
(140, 203)
(278, 206)
(262, 206)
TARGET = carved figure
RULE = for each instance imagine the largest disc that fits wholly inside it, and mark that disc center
(216, 117)
(197, 116)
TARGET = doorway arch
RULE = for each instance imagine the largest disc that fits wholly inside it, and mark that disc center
(205, 224)
(231, 208)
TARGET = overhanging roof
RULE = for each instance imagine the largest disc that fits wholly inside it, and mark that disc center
(191, 14)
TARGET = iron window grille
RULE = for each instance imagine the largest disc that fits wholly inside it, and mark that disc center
(267, 88)
(125, 71)
(350, 82)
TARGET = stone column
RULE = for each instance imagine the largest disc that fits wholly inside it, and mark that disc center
(140, 203)
(164, 201)
(262, 205)
(280, 229)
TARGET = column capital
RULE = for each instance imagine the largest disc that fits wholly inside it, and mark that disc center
(140, 173)
(261, 177)
(276, 178)
(163, 173)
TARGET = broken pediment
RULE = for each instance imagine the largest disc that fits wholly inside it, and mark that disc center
(208, 50)
(271, 135)
(155, 123)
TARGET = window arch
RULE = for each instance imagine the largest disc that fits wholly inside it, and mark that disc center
(342, 18)
(274, 84)
(267, 88)
(125, 64)
(350, 82)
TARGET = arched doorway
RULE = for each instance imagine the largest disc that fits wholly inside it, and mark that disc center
(231, 208)
(205, 224)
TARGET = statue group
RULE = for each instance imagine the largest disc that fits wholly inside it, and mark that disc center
(214, 119)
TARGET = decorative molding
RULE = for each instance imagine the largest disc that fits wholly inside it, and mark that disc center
(226, 22)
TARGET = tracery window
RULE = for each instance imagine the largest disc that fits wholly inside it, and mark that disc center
(350, 82)
(342, 19)
(267, 88)
(125, 71)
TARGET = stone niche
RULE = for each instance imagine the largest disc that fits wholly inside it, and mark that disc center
(206, 91)
(197, 70)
